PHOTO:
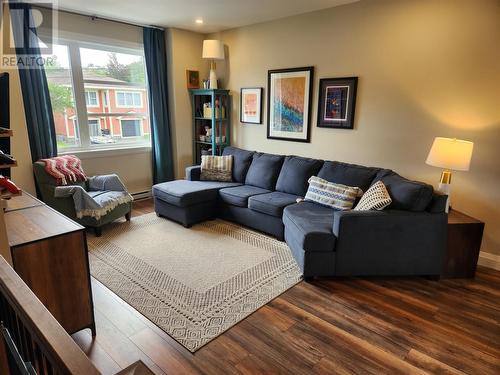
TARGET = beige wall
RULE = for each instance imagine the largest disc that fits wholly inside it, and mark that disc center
(426, 68)
(20, 149)
(184, 52)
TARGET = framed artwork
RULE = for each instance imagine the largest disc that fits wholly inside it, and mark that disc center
(193, 79)
(336, 102)
(251, 105)
(289, 104)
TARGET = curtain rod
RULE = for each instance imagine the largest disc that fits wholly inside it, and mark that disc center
(94, 17)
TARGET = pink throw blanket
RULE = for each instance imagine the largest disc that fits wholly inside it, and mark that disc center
(65, 169)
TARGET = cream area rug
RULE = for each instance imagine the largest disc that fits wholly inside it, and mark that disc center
(193, 283)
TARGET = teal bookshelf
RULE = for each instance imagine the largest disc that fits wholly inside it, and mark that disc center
(211, 114)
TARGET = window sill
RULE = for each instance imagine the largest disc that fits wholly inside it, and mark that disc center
(107, 152)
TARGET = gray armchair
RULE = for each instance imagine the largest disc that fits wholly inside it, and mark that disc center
(93, 203)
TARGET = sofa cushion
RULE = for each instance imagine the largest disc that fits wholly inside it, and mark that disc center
(336, 196)
(241, 162)
(310, 225)
(238, 196)
(348, 174)
(405, 194)
(295, 173)
(272, 203)
(216, 168)
(264, 170)
(105, 198)
(183, 193)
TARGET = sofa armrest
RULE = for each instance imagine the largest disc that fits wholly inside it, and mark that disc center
(109, 182)
(438, 203)
(68, 191)
(390, 241)
(193, 173)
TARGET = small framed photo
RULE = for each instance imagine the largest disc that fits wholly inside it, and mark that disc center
(251, 105)
(193, 79)
(288, 104)
(337, 102)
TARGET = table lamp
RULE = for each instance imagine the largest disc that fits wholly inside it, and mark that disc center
(450, 154)
(213, 50)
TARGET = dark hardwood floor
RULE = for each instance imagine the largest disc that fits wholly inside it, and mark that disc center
(330, 326)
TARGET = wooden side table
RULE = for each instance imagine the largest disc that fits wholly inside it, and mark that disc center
(464, 242)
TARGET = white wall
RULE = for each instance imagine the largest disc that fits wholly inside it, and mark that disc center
(426, 68)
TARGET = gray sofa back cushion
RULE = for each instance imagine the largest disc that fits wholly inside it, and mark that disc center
(295, 173)
(264, 170)
(348, 174)
(405, 194)
(241, 162)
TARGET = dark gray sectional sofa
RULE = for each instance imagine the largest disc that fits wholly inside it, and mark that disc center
(406, 238)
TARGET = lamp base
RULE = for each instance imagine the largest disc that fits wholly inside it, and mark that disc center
(213, 79)
(444, 187)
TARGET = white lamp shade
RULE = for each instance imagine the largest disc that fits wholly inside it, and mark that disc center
(450, 153)
(213, 49)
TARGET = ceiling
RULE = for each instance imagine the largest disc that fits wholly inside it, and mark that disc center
(217, 15)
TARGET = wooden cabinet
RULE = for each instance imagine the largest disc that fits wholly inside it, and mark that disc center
(464, 243)
(49, 252)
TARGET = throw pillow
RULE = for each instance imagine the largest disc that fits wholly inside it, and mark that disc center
(376, 198)
(216, 168)
(336, 196)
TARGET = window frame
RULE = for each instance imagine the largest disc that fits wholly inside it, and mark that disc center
(81, 113)
(98, 104)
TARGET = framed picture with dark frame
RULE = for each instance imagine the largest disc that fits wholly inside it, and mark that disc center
(289, 99)
(192, 79)
(251, 105)
(337, 102)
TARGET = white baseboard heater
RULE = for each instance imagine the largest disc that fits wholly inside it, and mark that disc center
(141, 195)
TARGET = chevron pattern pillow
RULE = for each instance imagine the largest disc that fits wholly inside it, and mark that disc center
(337, 196)
(376, 198)
(216, 168)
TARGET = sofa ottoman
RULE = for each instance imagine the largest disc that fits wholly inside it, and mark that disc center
(188, 202)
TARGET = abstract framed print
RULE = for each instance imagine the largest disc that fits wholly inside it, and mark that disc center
(251, 105)
(337, 102)
(289, 104)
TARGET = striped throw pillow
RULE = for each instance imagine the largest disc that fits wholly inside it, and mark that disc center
(376, 198)
(337, 196)
(216, 168)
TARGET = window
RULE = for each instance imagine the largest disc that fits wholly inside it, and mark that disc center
(128, 99)
(131, 128)
(110, 107)
(62, 97)
(91, 99)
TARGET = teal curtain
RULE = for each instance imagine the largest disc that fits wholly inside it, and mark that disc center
(156, 67)
(37, 105)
